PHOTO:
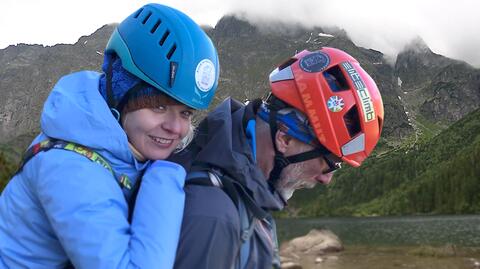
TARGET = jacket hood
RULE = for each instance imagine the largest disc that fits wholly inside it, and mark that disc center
(221, 142)
(75, 111)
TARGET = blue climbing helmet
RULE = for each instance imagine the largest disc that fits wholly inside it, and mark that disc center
(169, 51)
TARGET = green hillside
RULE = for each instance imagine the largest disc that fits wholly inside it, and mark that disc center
(440, 176)
(7, 168)
(10, 155)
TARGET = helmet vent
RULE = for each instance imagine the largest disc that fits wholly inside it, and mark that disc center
(154, 28)
(352, 121)
(164, 37)
(172, 50)
(380, 124)
(146, 18)
(286, 64)
(138, 13)
(335, 78)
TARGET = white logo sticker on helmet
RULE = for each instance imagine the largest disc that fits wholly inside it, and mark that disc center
(205, 75)
(362, 92)
(315, 62)
(335, 103)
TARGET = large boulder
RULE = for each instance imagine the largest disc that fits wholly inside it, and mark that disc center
(316, 242)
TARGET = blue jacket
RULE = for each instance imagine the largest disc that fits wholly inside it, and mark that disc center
(210, 237)
(65, 208)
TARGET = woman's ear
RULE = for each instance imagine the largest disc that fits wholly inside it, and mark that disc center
(283, 141)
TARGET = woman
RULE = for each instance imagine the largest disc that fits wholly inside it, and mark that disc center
(77, 200)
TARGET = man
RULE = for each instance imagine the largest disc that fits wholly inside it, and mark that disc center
(247, 160)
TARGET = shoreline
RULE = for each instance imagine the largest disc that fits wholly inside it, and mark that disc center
(392, 257)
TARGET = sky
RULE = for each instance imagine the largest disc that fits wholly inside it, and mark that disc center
(449, 28)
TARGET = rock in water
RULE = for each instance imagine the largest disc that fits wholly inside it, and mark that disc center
(291, 265)
(316, 242)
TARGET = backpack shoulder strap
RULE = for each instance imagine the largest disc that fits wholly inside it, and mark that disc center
(248, 226)
(238, 195)
(93, 156)
(51, 143)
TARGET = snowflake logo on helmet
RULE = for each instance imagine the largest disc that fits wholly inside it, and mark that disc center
(335, 103)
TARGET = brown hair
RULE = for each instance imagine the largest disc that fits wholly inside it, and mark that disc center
(151, 100)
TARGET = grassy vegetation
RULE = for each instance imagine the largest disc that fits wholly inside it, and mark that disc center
(7, 168)
(427, 128)
(10, 155)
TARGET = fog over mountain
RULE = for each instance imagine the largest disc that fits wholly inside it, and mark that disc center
(448, 28)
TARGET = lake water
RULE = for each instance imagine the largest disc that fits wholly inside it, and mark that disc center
(417, 230)
(423, 242)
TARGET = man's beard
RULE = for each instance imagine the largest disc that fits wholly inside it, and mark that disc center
(291, 180)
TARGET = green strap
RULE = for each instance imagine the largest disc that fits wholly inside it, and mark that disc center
(86, 152)
(50, 143)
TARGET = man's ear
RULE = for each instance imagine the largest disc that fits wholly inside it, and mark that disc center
(283, 141)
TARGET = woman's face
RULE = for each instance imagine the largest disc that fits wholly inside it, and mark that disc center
(156, 132)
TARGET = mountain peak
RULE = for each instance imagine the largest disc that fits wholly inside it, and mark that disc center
(234, 24)
(418, 45)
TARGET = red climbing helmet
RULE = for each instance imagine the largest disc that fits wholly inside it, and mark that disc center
(342, 102)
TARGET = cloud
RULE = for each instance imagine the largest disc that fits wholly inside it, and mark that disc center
(450, 28)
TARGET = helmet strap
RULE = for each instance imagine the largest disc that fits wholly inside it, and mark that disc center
(110, 98)
(280, 161)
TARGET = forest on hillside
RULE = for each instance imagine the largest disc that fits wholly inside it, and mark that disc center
(439, 176)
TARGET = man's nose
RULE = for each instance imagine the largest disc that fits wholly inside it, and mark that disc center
(324, 178)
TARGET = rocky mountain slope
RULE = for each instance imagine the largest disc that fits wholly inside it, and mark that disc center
(437, 89)
(423, 92)
(29, 72)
